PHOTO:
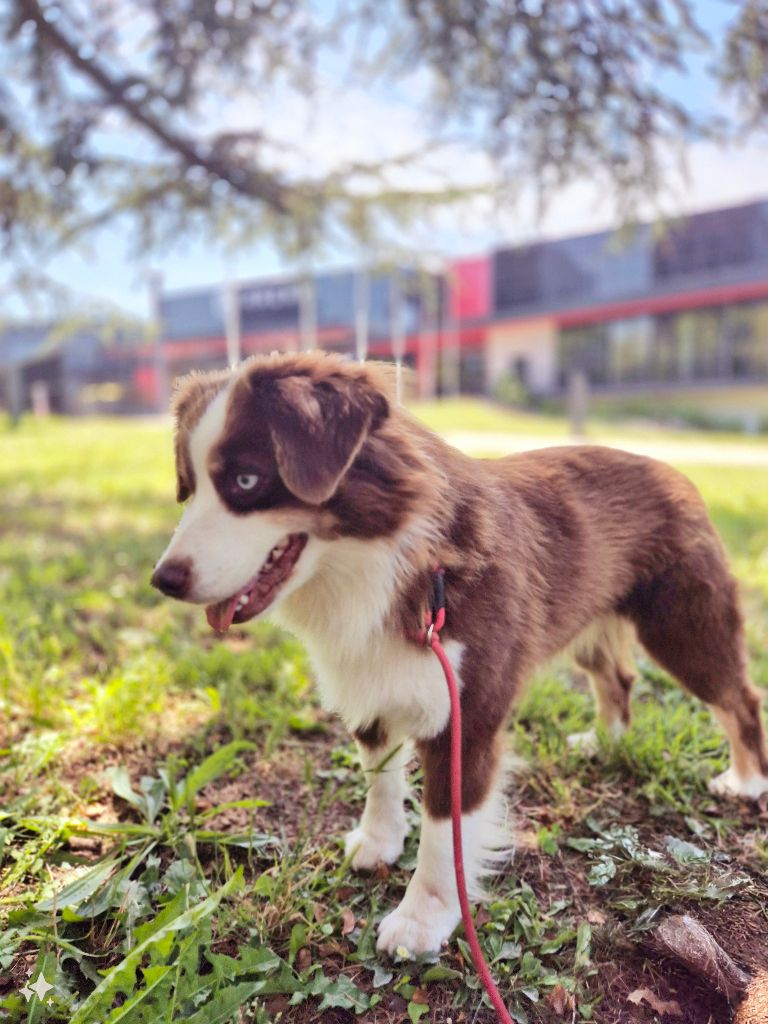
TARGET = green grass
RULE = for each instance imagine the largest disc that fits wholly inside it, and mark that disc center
(471, 414)
(171, 804)
(464, 414)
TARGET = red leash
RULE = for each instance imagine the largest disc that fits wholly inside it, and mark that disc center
(430, 638)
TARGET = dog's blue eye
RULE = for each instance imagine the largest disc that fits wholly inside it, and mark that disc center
(246, 481)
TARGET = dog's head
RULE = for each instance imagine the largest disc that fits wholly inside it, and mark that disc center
(263, 459)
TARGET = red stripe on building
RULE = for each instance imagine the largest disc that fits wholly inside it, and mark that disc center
(656, 304)
(470, 288)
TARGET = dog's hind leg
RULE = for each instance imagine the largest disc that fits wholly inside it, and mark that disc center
(689, 622)
(604, 652)
(380, 836)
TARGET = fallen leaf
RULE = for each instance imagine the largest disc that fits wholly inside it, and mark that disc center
(596, 917)
(561, 1001)
(95, 810)
(347, 922)
(277, 1005)
(394, 1003)
(526, 839)
(481, 917)
(644, 995)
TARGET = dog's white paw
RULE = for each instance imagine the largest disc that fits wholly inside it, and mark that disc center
(586, 743)
(729, 783)
(403, 930)
(590, 742)
(367, 850)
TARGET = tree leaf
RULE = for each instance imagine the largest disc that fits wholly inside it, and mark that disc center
(213, 767)
(81, 888)
(342, 992)
(583, 943)
(381, 976)
(439, 973)
(602, 872)
(225, 1004)
(121, 786)
(248, 805)
(416, 1011)
(121, 978)
(685, 852)
(153, 797)
(153, 976)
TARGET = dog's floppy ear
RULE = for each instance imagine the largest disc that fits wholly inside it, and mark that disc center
(318, 427)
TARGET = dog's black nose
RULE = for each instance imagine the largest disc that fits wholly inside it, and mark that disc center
(172, 578)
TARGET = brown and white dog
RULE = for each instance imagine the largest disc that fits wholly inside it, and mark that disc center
(312, 498)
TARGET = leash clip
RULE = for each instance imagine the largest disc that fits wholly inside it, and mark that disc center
(435, 618)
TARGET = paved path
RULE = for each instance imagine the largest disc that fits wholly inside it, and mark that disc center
(716, 453)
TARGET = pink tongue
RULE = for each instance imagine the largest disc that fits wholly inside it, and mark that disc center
(220, 615)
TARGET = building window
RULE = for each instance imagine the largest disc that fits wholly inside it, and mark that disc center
(719, 343)
(745, 340)
(708, 241)
(518, 277)
(631, 350)
(585, 349)
(698, 344)
(472, 373)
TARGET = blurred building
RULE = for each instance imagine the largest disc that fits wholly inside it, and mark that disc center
(74, 369)
(681, 311)
(678, 314)
(383, 314)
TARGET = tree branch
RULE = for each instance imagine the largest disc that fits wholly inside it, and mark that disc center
(245, 181)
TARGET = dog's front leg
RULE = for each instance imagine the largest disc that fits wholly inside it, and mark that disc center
(429, 911)
(381, 833)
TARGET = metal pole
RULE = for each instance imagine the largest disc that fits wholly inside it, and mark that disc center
(308, 313)
(578, 402)
(162, 391)
(397, 329)
(232, 323)
(449, 335)
(362, 289)
(15, 393)
(432, 302)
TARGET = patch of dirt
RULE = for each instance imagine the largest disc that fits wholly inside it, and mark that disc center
(288, 780)
(623, 961)
(667, 981)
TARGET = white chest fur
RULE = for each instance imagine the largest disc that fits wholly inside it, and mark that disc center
(365, 671)
(393, 680)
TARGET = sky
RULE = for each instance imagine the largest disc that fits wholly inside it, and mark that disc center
(355, 123)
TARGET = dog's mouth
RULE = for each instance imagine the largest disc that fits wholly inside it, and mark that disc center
(262, 590)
